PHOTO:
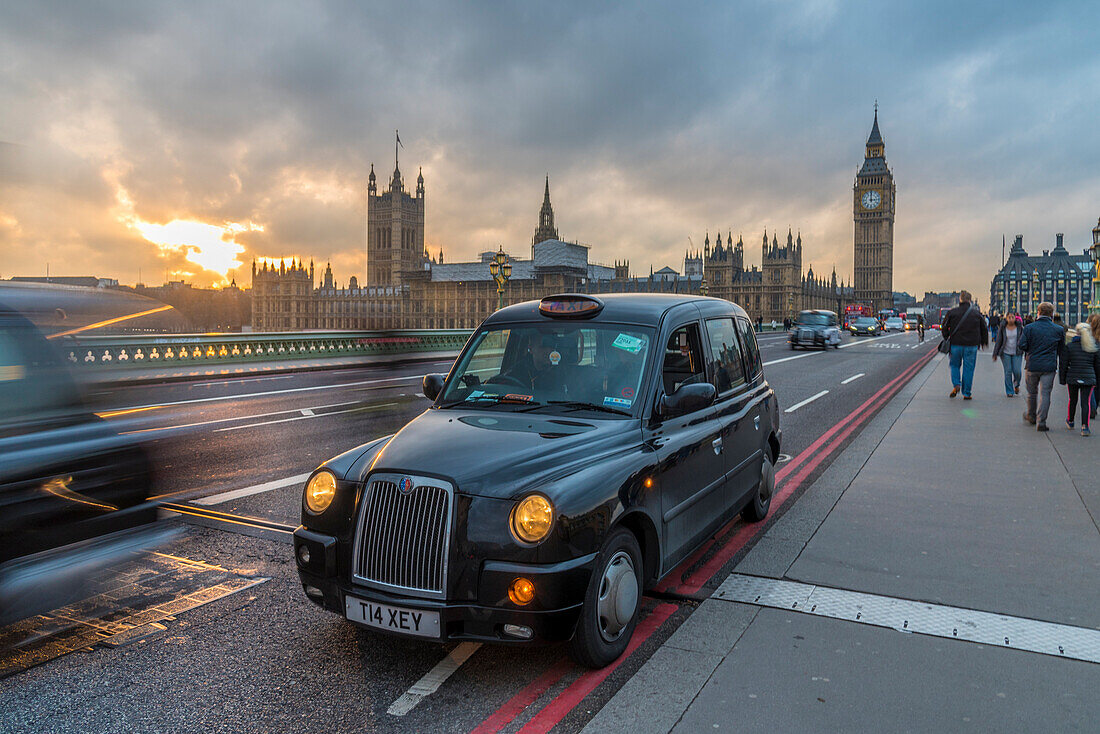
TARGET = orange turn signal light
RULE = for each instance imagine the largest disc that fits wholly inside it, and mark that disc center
(521, 592)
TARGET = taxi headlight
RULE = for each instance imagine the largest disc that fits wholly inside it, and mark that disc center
(320, 490)
(532, 519)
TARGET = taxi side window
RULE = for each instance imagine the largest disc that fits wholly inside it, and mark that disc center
(752, 353)
(683, 359)
(727, 371)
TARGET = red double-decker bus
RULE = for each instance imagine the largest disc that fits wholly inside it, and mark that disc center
(854, 310)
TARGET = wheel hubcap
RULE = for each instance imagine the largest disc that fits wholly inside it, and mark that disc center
(618, 596)
(767, 482)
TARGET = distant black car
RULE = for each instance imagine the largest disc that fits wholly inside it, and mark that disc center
(73, 492)
(865, 326)
(579, 449)
(816, 328)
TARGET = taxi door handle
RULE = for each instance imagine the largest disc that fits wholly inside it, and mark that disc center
(716, 444)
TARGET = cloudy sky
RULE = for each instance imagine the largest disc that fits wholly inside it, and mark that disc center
(187, 138)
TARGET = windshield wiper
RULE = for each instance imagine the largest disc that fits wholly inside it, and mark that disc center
(491, 400)
(576, 405)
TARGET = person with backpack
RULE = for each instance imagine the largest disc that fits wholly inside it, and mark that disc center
(1079, 369)
(1043, 342)
(964, 330)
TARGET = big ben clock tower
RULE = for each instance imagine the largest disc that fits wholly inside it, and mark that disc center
(873, 204)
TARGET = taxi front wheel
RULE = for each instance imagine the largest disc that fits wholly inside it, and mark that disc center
(611, 603)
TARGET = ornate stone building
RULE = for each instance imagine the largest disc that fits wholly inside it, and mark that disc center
(407, 288)
(1056, 276)
(873, 209)
(778, 289)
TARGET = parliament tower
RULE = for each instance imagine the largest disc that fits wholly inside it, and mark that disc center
(395, 229)
(873, 205)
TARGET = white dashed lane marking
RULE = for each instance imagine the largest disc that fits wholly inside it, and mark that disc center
(807, 401)
(434, 678)
(853, 378)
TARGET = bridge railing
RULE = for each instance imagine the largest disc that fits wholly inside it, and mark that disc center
(152, 350)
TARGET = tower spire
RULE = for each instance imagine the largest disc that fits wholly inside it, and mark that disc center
(546, 229)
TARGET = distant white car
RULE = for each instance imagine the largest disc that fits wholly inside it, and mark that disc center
(894, 323)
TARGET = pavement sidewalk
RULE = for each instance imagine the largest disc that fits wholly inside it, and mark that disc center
(948, 518)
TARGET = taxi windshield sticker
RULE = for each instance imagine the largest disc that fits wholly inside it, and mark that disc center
(555, 357)
(628, 343)
(612, 402)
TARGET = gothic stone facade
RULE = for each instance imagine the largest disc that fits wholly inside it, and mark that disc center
(407, 288)
(873, 209)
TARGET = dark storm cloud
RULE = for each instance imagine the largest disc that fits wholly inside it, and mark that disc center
(655, 122)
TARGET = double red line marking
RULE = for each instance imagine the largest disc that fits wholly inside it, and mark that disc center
(809, 459)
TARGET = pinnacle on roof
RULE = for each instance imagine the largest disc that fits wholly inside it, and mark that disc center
(875, 137)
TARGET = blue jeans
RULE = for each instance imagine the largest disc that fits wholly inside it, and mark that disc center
(964, 357)
(1012, 365)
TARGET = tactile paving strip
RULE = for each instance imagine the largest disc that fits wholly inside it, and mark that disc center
(154, 587)
(1016, 633)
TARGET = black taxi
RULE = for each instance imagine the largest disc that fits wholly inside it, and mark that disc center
(578, 450)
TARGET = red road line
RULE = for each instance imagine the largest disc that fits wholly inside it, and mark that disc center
(671, 579)
(695, 581)
(568, 699)
(515, 705)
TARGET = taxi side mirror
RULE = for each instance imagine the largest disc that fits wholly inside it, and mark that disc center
(688, 399)
(433, 385)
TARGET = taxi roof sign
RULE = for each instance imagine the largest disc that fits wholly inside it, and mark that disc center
(570, 305)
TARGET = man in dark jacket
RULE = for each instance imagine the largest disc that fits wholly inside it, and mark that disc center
(1043, 342)
(964, 328)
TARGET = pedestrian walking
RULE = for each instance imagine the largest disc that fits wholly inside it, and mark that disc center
(964, 330)
(1094, 327)
(760, 323)
(1079, 369)
(1043, 342)
(1006, 345)
(994, 325)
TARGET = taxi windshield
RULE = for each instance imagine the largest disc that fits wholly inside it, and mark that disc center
(808, 318)
(552, 367)
(866, 321)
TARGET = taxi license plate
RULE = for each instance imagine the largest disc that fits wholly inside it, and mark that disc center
(394, 619)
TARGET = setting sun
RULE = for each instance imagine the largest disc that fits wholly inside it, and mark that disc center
(210, 246)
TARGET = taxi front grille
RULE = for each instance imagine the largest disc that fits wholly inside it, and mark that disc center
(403, 537)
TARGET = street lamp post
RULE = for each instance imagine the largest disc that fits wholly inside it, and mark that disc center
(1095, 307)
(703, 288)
(1035, 292)
(501, 270)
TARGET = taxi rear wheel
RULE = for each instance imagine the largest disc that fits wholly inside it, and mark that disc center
(611, 603)
(757, 508)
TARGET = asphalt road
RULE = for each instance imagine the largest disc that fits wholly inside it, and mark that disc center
(268, 660)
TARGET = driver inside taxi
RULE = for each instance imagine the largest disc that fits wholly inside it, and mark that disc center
(542, 355)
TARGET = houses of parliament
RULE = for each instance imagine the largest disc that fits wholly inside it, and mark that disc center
(408, 287)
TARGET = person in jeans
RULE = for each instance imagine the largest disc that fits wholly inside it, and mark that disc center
(1006, 345)
(1079, 369)
(1043, 342)
(965, 330)
(994, 325)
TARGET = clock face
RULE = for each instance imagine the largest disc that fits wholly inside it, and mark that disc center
(871, 199)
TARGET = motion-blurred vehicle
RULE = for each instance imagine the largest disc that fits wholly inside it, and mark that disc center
(580, 448)
(865, 326)
(74, 494)
(894, 323)
(815, 328)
